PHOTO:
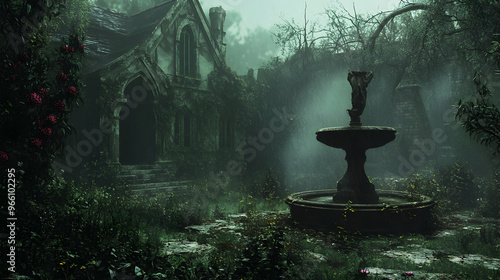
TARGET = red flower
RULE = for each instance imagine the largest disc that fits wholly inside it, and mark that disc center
(51, 119)
(35, 99)
(4, 156)
(71, 90)
(47, 132)
(39, 122)
(82, 47)
(15, 64)
(61, 77)
(65, 49)
(25, 58)
(59, 105)
(36, 142)
(43, 91)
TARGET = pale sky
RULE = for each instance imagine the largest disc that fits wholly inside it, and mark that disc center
(266, 13)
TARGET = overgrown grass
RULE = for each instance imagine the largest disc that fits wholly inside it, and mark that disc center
(83, 230)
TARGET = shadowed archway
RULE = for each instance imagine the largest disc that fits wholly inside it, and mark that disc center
(138, 125)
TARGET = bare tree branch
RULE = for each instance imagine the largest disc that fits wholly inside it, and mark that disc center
(407, 8)
(458, 30)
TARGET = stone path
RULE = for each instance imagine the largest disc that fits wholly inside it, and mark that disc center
(413, 253)
(396, 274)
(173, 247)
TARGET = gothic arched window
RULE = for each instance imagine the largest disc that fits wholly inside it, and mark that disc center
(187, 53)
(184, 127)
(226, 133)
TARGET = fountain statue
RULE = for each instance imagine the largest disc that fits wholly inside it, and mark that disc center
(359, 81)
(356, 205)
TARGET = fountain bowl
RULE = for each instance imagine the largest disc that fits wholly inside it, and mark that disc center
(360, 137)
(396, 212)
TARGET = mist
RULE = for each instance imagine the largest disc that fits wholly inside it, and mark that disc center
(328, 97)
(169, 139)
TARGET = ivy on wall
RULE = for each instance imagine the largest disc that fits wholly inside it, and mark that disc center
(109, 93)
(233, 95)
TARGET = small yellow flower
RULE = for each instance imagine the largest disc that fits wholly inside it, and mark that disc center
(63, 263)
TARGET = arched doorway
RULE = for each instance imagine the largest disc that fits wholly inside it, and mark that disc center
(137, 125)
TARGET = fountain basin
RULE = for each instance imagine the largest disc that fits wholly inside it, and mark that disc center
(396, 212)
(360, 137)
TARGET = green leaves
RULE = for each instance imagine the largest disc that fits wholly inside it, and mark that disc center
(29, 90)
(481, 118)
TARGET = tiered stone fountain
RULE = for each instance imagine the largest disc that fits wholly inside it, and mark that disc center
(355, 205)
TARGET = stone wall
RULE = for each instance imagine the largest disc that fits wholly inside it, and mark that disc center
(410, 119)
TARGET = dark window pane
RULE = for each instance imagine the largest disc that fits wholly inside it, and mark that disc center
(187, 60)
(187, 131)
(177, 125)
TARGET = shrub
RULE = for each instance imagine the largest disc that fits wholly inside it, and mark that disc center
(490, 203)
(458, 184)
(452, 187)
(80, 230)
(268, 184)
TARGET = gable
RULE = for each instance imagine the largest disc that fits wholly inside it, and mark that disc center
(112, 35)
(191, 12)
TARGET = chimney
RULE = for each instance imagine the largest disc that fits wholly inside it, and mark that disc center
(217, 18)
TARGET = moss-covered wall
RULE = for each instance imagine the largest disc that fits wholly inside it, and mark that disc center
(155, 63)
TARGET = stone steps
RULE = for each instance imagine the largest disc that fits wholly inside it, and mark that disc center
(153, 188)
(152, 178)
(144, 178)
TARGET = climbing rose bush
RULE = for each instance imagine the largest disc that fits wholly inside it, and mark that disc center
(39, 91)
(35, 109)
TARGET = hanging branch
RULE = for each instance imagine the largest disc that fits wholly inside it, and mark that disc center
(407, 8)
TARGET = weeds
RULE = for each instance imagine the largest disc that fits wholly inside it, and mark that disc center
(92, 232)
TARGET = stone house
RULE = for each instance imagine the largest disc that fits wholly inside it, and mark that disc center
(146, 94)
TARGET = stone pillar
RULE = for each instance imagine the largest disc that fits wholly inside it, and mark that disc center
(217, 18)
(355, 185)
(114, 136)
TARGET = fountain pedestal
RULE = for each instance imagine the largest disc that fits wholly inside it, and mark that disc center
(355, 186)
(355, 140)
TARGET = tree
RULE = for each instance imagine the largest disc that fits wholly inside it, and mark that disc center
(480, 117)
(299, 41)
(416, 41)
(411, 39)
(74, 16)
(246, 49)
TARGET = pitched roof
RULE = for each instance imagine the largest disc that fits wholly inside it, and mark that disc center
(112, 34)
